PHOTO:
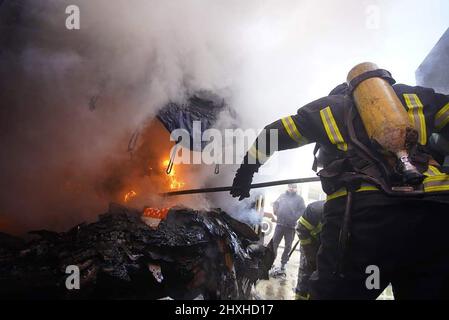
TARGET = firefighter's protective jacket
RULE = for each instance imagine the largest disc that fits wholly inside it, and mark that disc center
(309, 224)
(308, 229)
(325, 121)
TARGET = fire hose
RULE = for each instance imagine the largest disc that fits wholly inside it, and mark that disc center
(229, 188)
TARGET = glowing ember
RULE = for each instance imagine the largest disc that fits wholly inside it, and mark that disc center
(155, 213)
(131, 194)
(174, 183)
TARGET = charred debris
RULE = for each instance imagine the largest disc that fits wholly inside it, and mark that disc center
(190, 254)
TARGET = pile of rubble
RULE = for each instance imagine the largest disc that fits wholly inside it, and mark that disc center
(189, 254)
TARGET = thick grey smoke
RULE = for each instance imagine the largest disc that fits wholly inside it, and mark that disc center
(70, 99)
(430, 73)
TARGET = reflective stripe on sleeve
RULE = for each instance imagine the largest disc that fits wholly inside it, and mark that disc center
(305, 241)
(306, 224)
(317, 230)
(436, 183)
(314, 230)
(442, 117)
(432, 171)
(333, 133)
(293, 131)
(435, 180)
(416, 114)
(257, 155)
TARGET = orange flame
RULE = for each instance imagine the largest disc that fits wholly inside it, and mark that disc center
(128, 196)
(174, 183)
(156, 213)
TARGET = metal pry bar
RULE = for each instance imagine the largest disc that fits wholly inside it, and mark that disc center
(253, 186)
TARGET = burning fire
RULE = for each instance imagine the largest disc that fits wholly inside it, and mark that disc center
(131, 194)
(153, 216)
(171, 179)
(174, 183)
(155, 213)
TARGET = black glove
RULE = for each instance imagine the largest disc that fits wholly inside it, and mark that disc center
(242, 181)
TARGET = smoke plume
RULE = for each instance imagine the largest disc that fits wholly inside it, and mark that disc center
(70, 99)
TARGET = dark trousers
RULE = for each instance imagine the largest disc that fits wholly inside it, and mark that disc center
(407, 240)
(288, 233)
(307, 264)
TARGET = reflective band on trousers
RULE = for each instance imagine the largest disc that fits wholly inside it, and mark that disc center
(442, 117)
(293, 131)
(416, 114)
(333, 133)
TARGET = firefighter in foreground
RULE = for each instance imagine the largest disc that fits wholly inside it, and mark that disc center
(287, 208)
(387, 195)
(309, 228)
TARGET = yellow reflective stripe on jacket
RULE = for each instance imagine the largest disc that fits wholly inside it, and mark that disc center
(305, 241)
(337, 194)
(312, 229)
(436, 183)
(317, 230)
(299, 296)
(306, 223)
(257, 155)
(332, 130)
(432, 171)
(435, 180)
(293, 131)
(442, 117)
(416, 114)
(343, 192)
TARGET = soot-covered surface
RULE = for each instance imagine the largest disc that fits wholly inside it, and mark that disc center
(190, 254)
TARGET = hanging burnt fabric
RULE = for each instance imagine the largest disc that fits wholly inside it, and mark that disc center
(203, 107)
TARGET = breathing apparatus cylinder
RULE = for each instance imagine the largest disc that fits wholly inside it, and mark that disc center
(384, 117)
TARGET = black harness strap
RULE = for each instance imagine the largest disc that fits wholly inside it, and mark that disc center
(364, 152)
(315, 160)
(379, 73)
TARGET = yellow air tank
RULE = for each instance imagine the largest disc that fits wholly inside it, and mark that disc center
(384, 117)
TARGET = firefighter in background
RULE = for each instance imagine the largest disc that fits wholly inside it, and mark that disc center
(308, 229)
(287, 209)
(387, 208)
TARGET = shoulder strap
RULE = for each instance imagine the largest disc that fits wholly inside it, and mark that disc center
(315, 159)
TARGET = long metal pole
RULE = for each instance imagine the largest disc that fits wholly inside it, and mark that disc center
(253, 186)
(294, 248)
